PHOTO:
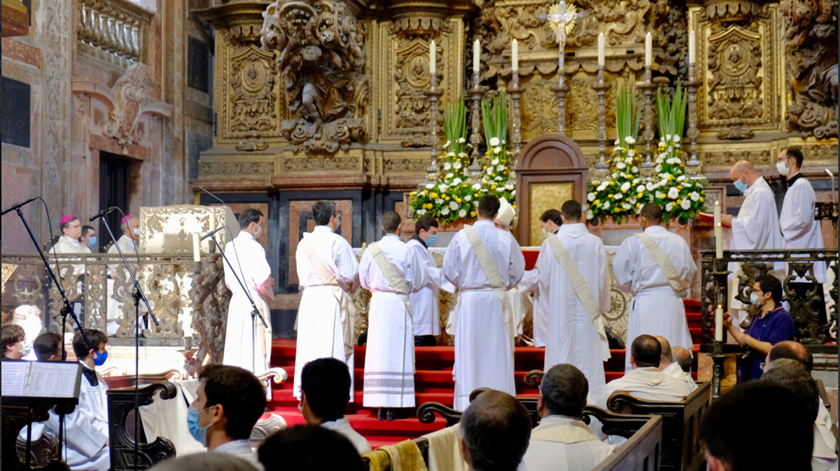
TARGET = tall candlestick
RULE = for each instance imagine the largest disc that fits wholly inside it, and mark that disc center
(514, 54)
(476, 56)
(719, 323)
(691, 47)
(648, 49)
(718, 232)
(196, 249)
(432, 59)
(600, 49)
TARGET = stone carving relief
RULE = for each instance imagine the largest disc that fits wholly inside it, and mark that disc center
(236, 168)
(811, 66)
(253, 98)
(321, 62)
(321, 163)
(411, 79)
(131, 94)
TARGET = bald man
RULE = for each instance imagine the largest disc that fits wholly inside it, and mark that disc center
(755, 228)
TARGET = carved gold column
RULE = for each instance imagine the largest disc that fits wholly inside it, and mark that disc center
(601, 87)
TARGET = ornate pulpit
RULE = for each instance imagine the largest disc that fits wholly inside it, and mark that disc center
(550, 170)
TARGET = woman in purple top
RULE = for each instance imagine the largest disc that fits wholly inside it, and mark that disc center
(770, 326)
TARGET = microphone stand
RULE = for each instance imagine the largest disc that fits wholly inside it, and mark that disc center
(137, 295)
(255, 313)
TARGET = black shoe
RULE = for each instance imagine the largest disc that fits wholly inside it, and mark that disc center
(392, 414)
(383, 412)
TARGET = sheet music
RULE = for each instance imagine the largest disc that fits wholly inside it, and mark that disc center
(53, 380)
(14, 377)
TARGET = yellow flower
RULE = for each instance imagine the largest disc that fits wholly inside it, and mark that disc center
(702, 199)
(464, 185)
(639, 195)
(457, 199)
(638, 204)
(596, 182)
(679, 187)
(425, 192)
(612, 182)
(434, 195)
(476, 195)
(472, 213)
(446, 197)
(492, 187)
(595, 203)
(514, 206)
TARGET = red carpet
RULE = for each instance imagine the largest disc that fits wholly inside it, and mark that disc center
(433, 383)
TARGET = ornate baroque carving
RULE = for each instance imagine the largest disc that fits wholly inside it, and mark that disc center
(727, 158)
(321, 61)
(411, 79)
(811, 66)
(255, 169)
(321, 163)
(131, 93)
(253, 99)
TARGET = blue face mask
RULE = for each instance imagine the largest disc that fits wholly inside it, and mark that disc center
(92, 241)
(196, 430)
(753, 298)
(431, 240)
(99, 358)
(740, 185)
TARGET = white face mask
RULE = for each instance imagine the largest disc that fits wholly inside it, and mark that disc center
(258, 232)
(783, 170)
(137, 231)
(545, 233)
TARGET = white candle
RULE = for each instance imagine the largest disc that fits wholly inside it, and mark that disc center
(514, 54)
(432, 59)
(691, 47)
(718, 232)
(196, 249)
(600, 49)
(561, 69)
(648, 49)
(719, 324)
(476, 56)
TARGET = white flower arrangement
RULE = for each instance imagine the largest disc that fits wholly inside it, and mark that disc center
(625, 187)
(447, 166)
(694, 196)
(445, 211)
(453, 205)
(462, 213)
(590, 197)
(669, 207)
(494, 142)
(685, 204)
(673, 193)
(457, 165)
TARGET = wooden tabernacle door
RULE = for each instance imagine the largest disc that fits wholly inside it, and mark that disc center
(550, 170)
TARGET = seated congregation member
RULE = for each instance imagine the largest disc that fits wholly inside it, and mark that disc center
(796, 351)
(791, 374)
(495, 430)
(324, 396)
(12, 341)
(47, 347)
(645, 381)
(757, 426)
(211, 461)
(229, 403)
(562, 440)
(673, 368)
(770, 326)
(309, 447)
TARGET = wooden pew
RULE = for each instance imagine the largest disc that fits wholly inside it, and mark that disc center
(121, 421)
(682, 448)
(641, 452)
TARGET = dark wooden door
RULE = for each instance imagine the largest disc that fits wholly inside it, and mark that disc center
(114, 172)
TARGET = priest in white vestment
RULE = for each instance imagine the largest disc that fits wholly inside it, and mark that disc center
(68, 244)
(755, 228)
(247, 340)
(676, 363)
(425, 314)
(519, 302)
(655, 266)
(562, 440)
(130, 227)
(328, 274)
(483, 262)
(575, 328)
(799, 228)
(550, 222)
(390, 271)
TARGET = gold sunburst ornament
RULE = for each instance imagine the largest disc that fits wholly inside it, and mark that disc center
(569, 18)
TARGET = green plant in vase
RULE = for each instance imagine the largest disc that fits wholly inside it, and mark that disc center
(450, 196)
(497, 178)
(622, 194)
(680, 197)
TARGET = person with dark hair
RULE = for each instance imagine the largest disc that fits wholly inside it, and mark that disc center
(792, 350)
(211, 461)
(770, 326)
(328, 275)
(799, 228)
(229, 402)
(324, 399)
(495, 432)
(47, 347)
(88, 238)
(671, 367)
(645, 380)
(780, 433)
(12, 341)
(309, 447)
(575, 290)
(550, 222)
(656, 267)
(483, 262)
(391, 272)
(562, 437)
(792, 375)
(424, 303)
(249, 337)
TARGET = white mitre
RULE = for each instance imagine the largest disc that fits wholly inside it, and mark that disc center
(506, 213)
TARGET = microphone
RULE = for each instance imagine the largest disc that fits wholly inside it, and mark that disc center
(18, 205)
(205, 236)
(103, 213)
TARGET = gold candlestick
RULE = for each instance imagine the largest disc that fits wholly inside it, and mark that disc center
(648, 88)
(693, 165)
(475, 93)
(434, 94)
(561, 90)
(515, 93)
(601, 86)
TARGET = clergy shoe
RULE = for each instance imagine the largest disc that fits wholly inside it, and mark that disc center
(383, 412)
(392, 414)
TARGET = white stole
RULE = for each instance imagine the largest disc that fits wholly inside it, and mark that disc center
(665, 264)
